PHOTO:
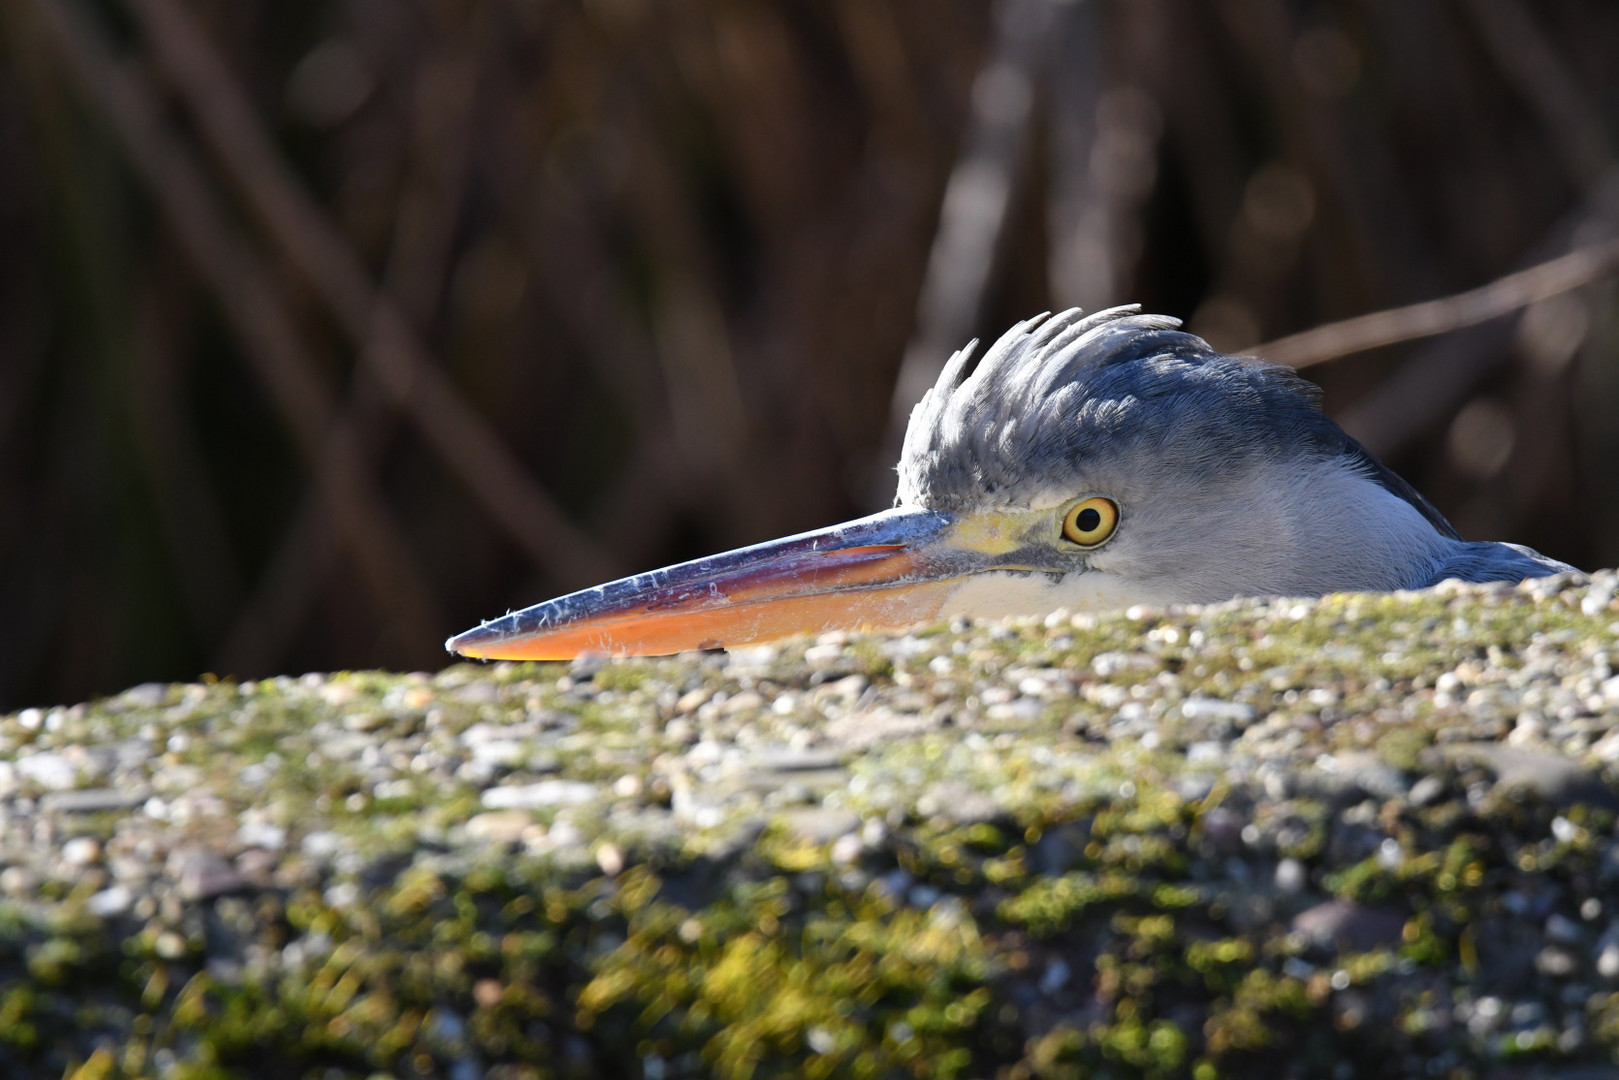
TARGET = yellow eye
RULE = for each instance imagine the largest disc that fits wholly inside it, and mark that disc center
(1090, 522)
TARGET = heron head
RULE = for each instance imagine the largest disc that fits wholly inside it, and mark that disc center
(1084, 462)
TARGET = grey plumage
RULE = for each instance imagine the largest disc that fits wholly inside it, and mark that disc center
(1230, 478)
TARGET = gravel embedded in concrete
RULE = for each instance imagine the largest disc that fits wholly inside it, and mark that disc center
(1365, 836)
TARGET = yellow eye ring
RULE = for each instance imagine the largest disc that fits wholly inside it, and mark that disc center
(1090, 522)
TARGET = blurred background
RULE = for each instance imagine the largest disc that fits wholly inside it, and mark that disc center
(328, 327)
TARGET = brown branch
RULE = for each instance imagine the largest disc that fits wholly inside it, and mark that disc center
(269, 620)
(1529, 62)
(306, 555)
(1431, 385)
(251, 300)
(1082, 215)
(973, 214)
(1435, 380)
(190, 517)
(1595, 402)
(634, 515)
(368, 316)
(1432, 317)
(1438, 377)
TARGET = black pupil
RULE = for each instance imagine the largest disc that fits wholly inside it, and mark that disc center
(1088, 520)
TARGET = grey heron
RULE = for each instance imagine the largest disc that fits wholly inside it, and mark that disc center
(1086, 462)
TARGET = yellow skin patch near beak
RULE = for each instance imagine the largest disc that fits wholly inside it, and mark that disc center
(994, 532)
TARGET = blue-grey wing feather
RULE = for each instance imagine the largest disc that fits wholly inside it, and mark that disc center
(1484, 560)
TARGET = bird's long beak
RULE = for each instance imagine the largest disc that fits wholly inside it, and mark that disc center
(888, 570)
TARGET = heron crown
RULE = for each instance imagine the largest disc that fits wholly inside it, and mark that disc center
(1110, 402)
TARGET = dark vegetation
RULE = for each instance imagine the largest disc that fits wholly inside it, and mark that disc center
(328, 327)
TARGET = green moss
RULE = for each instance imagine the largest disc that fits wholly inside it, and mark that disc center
(1403, 746)
(1256, 1015)
(754, 1000)
(1037, 891)
(18, 1004)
